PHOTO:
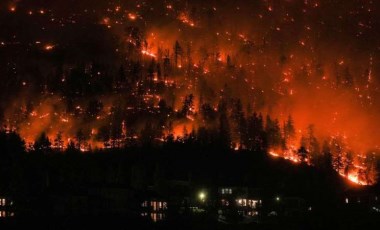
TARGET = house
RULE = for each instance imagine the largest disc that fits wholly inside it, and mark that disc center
(153, 206)
(6, 207)
(238, 204)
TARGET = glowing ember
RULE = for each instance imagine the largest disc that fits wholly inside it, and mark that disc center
(274, 154)
(185, 19)
(147, 53)
(132, 16)
(49, 47)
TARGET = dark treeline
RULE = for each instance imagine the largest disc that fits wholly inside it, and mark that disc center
(26, 176)
(33, 178)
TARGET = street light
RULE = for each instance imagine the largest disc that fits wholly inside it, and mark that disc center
(202, 196)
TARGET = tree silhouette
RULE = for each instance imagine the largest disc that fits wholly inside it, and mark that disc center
(58, 142)
(273, 131)
(42, 144)
(12, 149)
(256, 133)
(188, 106)
(178, 53)
(289, 130)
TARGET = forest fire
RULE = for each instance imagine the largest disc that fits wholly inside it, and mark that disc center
(218, 113)
(357, 169)
(184, 18)
(198, 72)
(147, 53)
(274, 154)
(354, 178)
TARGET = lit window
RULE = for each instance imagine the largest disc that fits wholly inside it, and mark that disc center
(252, 203)
(153, 216)
(346, 200)
(154, 206)
(225, 203)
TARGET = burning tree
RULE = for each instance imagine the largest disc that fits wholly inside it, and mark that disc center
(188, 106)
(42, 144)
(337, 148)
(371, 171)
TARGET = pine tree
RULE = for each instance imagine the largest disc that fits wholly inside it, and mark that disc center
(313, 146)
(159, 73)
(240, 124)
(273, 131)
(58, 142)
(224, 131)
(42, 144)
(188, 106)
(256, 133)
(337, 150)
(80, 139)
(178, 53)
(326, 162)
(371, 172)
(150, 75)
(289, 130)
(348, 163)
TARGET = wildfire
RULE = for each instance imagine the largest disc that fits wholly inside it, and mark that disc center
(274, 154)
(184, 18)
(294, 80)
(147, 53)
(294, 159)
(353, 177)
(290, 155)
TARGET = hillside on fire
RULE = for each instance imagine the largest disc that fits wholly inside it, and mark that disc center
(223, 112)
